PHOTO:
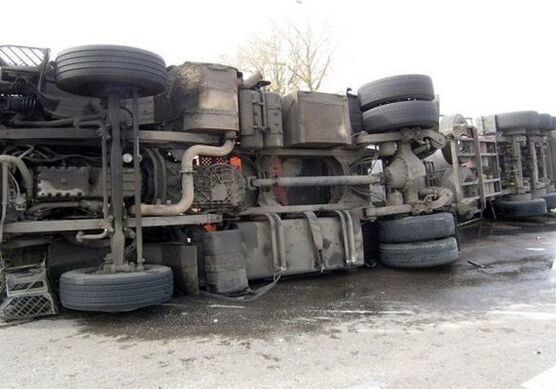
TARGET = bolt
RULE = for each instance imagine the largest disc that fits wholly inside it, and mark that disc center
(127, 158)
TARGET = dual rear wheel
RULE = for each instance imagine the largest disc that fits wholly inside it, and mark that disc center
(418, 241)
(397, 102)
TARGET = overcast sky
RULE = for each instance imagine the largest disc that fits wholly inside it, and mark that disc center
(484, 57)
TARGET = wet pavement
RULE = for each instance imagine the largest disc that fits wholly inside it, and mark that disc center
(487, 321)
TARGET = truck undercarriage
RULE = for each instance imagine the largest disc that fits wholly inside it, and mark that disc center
(122, 178)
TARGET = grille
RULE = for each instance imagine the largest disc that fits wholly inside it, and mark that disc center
(218, 186)
(207, 161)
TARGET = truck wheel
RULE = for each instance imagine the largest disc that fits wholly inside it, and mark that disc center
(394, 89)
(417, 228)
(88, 70)
(524, 208)
(419, 254)
(550, 200)
(87, 290)
(404, 114)
(517, 120)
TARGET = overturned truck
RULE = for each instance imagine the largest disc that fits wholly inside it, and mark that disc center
(122, 178)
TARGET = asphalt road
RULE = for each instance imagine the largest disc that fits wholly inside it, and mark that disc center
(486, 324)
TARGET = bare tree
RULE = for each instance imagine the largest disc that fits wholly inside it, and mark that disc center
(310, 56)
(268, 55)
(295, 58)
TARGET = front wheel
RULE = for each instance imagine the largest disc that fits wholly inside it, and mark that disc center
(90, 290)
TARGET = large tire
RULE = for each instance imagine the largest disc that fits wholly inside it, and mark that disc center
(417, 228)
(87, 290)
(523, 208)
(517, 120)
(394, 89)
(419, 254)
(550, 199)
(545, 121)
(404, 114)
(89, 70)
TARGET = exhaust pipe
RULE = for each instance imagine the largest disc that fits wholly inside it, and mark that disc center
(251, 81)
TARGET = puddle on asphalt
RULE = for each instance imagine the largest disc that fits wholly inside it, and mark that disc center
(316, 304)
(485, 229)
